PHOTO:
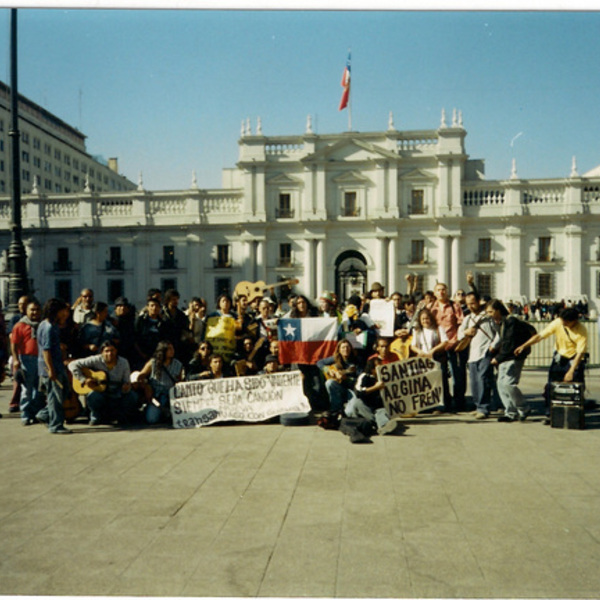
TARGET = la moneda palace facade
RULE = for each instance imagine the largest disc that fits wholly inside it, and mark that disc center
(336, 211)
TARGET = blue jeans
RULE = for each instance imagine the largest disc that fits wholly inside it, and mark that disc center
(481, 374)
(509, 374)
(155, 414)
(338, 395)
(106, 408)
(30, 402)
(357, 408)
(56, 391)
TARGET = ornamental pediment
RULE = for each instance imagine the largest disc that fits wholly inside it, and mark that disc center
(351, 178)
(350, 150)
(283, 179)
(417, 175)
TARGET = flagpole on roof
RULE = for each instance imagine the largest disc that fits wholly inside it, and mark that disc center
(349, 96)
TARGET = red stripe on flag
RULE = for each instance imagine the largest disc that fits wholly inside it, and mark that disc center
(305, 353)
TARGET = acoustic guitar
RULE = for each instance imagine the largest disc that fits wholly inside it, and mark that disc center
(83, 389)
(257, 289)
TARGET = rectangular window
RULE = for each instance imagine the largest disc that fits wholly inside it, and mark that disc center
(36, 143)
(417, 252)
(544, 250)
(63, 289)
(485, 284)
(57, 154)
(48, 184)
(25, 156)
(222, 286)
(115, 288)
(168, 261)
(284, 210)
(62, 260)
(350, 207)
(484, 252)
(545, 285)
(223, 260)
(37, 162)
(285, 255)
(417, 202)
(169, 283)
(47, 149)
(115, 262)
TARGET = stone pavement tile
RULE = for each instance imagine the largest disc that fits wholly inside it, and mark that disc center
(13, 582)
(304, 560)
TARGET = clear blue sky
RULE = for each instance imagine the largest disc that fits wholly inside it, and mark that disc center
(166, 90)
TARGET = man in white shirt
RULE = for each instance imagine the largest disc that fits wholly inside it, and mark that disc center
(481, 330)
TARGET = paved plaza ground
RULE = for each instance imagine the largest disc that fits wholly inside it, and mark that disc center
(453, 508)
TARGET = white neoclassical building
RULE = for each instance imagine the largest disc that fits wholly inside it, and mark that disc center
(337, 211)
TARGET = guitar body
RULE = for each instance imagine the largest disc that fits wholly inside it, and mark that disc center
(82, 389)
(256, 289)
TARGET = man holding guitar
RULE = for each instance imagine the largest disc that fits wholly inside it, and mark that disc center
(106, 379)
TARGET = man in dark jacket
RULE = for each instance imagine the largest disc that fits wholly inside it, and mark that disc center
(512, 333)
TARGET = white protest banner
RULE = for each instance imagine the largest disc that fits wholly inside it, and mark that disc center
(382, 312)
(411, 385)
(255, 398)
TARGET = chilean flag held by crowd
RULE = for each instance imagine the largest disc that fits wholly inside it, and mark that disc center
(345, 85)
(305, 341)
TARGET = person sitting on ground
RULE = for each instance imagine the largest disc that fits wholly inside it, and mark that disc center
(24, 349)
(368, 403)
(244, 360)
(271, 365)
(568, 361)
(111, 397)
(341, 372)
(200, 363)
(97, 330)
(160, 374)
(216, 368)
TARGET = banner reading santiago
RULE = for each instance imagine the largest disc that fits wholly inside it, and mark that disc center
(254, 398)
(411, 385)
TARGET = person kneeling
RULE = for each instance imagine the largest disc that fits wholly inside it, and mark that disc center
(107, 378)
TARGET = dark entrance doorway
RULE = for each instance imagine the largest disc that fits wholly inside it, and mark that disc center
(350, 274)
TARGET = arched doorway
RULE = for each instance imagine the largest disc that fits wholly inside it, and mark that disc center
(350, 274)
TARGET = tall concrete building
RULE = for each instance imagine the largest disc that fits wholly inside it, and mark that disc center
(337, 211)
(53, 154)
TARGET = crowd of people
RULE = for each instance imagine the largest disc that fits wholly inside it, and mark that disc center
(118, 368)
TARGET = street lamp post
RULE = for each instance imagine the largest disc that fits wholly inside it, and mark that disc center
(17, 260)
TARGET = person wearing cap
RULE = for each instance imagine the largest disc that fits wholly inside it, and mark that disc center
(117, 402)
(271, 365)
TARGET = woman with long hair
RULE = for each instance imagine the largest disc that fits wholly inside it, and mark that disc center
(341, 372)
(160, 374)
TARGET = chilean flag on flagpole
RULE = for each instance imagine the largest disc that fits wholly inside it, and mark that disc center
(306, 341)
(345, 85)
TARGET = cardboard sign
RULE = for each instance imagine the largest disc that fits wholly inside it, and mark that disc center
(220, 332)
(411, 386)
(255, 398)
(383, 313)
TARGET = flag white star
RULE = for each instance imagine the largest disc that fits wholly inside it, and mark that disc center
(289, 330)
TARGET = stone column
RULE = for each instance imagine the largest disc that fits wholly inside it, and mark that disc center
(442, 259)
(321, 273)
(392, 265)
(573, 260)
(141, 269)
(457, 276)
(309, 268)
(381, 269)
(261, 261)
(514, 261)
